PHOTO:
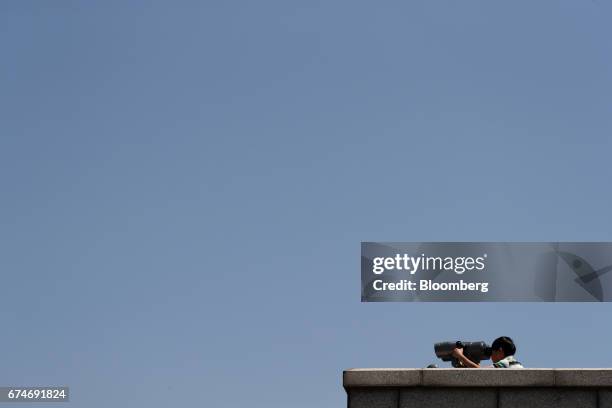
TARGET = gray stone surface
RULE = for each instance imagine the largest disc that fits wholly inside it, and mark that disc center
(391, 377)
(478, 388)
(585, 377)
(420, 397)
(547, 398)
(454, 377)
(469, 377)
(373, 398)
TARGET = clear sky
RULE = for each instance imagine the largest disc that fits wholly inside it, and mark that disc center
(185, 185)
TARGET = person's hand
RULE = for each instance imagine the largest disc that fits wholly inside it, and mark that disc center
(457, 352)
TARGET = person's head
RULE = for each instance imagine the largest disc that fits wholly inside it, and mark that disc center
(501, 348)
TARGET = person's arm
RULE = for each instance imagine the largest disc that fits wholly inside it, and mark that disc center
(466, 362)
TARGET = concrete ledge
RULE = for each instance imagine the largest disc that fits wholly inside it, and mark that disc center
(483, 377)
(478, 388)
(584, 377)
(382, 377)
(487, 377)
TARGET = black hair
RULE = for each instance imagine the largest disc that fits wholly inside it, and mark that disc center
(506, 344)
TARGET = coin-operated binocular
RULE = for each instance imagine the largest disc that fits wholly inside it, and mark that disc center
(476, 351)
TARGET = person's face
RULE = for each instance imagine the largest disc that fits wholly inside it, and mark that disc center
(497, 355)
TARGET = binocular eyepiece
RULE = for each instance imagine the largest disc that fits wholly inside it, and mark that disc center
(476, 351)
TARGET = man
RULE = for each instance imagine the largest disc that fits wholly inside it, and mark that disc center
(502, 355)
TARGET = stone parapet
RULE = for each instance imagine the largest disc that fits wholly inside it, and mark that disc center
(478, 388)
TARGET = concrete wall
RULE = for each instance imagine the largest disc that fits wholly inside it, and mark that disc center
(478, 388)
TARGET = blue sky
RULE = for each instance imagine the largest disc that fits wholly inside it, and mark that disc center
(185, 186)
